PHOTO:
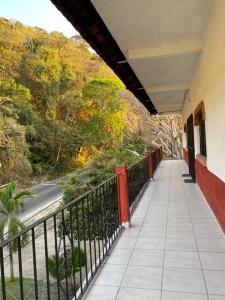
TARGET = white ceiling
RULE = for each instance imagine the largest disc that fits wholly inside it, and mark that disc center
(161, 40)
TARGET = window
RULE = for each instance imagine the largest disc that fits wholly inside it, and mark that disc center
(202, 138)
(200, 123)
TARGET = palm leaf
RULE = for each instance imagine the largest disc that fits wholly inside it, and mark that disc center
(6, 196)
(22, 194)
(2, 227)
(3, 212)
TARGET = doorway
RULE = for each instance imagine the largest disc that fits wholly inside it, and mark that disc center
(191, 146)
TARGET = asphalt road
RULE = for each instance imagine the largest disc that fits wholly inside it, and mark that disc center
(42, 196)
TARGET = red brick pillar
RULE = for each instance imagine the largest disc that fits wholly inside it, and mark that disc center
(157, 155)
(123, 197)
(149, 156)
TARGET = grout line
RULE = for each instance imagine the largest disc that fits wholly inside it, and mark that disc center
(164, 254)
(137, 235)
(197, 247)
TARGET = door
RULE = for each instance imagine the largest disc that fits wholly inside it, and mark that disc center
(191, 146)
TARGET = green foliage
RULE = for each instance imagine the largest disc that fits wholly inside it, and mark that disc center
(11, 202)
(14, 151)
(59, 103)
(75, 258)
(105, 124)
(15, 90)
(101, 168)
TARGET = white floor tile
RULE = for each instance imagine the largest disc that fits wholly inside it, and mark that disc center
(215, 282)
(126, 242)
(213, 297)
(98, 292)
(110, 275)
(183, 280)
(143, 277)
(182, 259)
(150, 243)
(212, 261)
(138, 294)
(182, 296)
(148, 258)
(185, 244)
(119, 256)
(215, 245)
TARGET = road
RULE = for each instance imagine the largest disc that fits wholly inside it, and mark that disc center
(42, 196)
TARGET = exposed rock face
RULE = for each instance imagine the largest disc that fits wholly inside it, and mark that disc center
(162, 130)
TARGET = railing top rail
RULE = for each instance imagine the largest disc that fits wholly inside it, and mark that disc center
(54, 213)
(136, 163)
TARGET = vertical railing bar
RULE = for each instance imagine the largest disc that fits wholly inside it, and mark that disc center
(65, 252)
(89, 234)
(98, 233)
(72, 246)
(2, 274)
(56, 257)
(109, 222)
(46, 260)
(34, 264)
(84, 240)
(78, 242)
(20, 268)
(94, 227)
(102, 220)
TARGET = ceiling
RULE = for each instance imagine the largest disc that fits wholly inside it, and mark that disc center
(161, 40)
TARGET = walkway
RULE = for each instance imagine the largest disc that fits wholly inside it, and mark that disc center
(173, 251)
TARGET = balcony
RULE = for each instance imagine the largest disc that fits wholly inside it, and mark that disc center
(173, 248)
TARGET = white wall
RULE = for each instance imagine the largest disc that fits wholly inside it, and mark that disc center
(208, 85)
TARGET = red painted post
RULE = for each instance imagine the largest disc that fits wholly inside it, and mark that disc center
(149, 156)
(161, 152)
(157, 155)
(123, 197)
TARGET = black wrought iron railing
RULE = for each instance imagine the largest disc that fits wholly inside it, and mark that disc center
(58, 256)
(62, 261)
(138, 179)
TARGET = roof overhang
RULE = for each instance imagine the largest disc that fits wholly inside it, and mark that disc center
(153, 46)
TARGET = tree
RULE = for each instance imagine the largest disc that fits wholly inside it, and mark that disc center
(11, 203)
(103, 114)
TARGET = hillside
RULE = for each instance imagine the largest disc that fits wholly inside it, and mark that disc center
(61, 105)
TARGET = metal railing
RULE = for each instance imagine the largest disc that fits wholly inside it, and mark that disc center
(61, 263)
(137, 181)
(58, 256)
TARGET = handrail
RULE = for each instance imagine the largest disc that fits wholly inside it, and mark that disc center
(82, 232)
(61, 208)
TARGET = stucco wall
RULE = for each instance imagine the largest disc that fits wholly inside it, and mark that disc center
(208, 85)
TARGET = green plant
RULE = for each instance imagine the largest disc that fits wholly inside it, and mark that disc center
(11, 202)
(66, 264)
(75, 258)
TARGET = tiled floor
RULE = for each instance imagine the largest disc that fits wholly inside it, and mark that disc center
(173, 251)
